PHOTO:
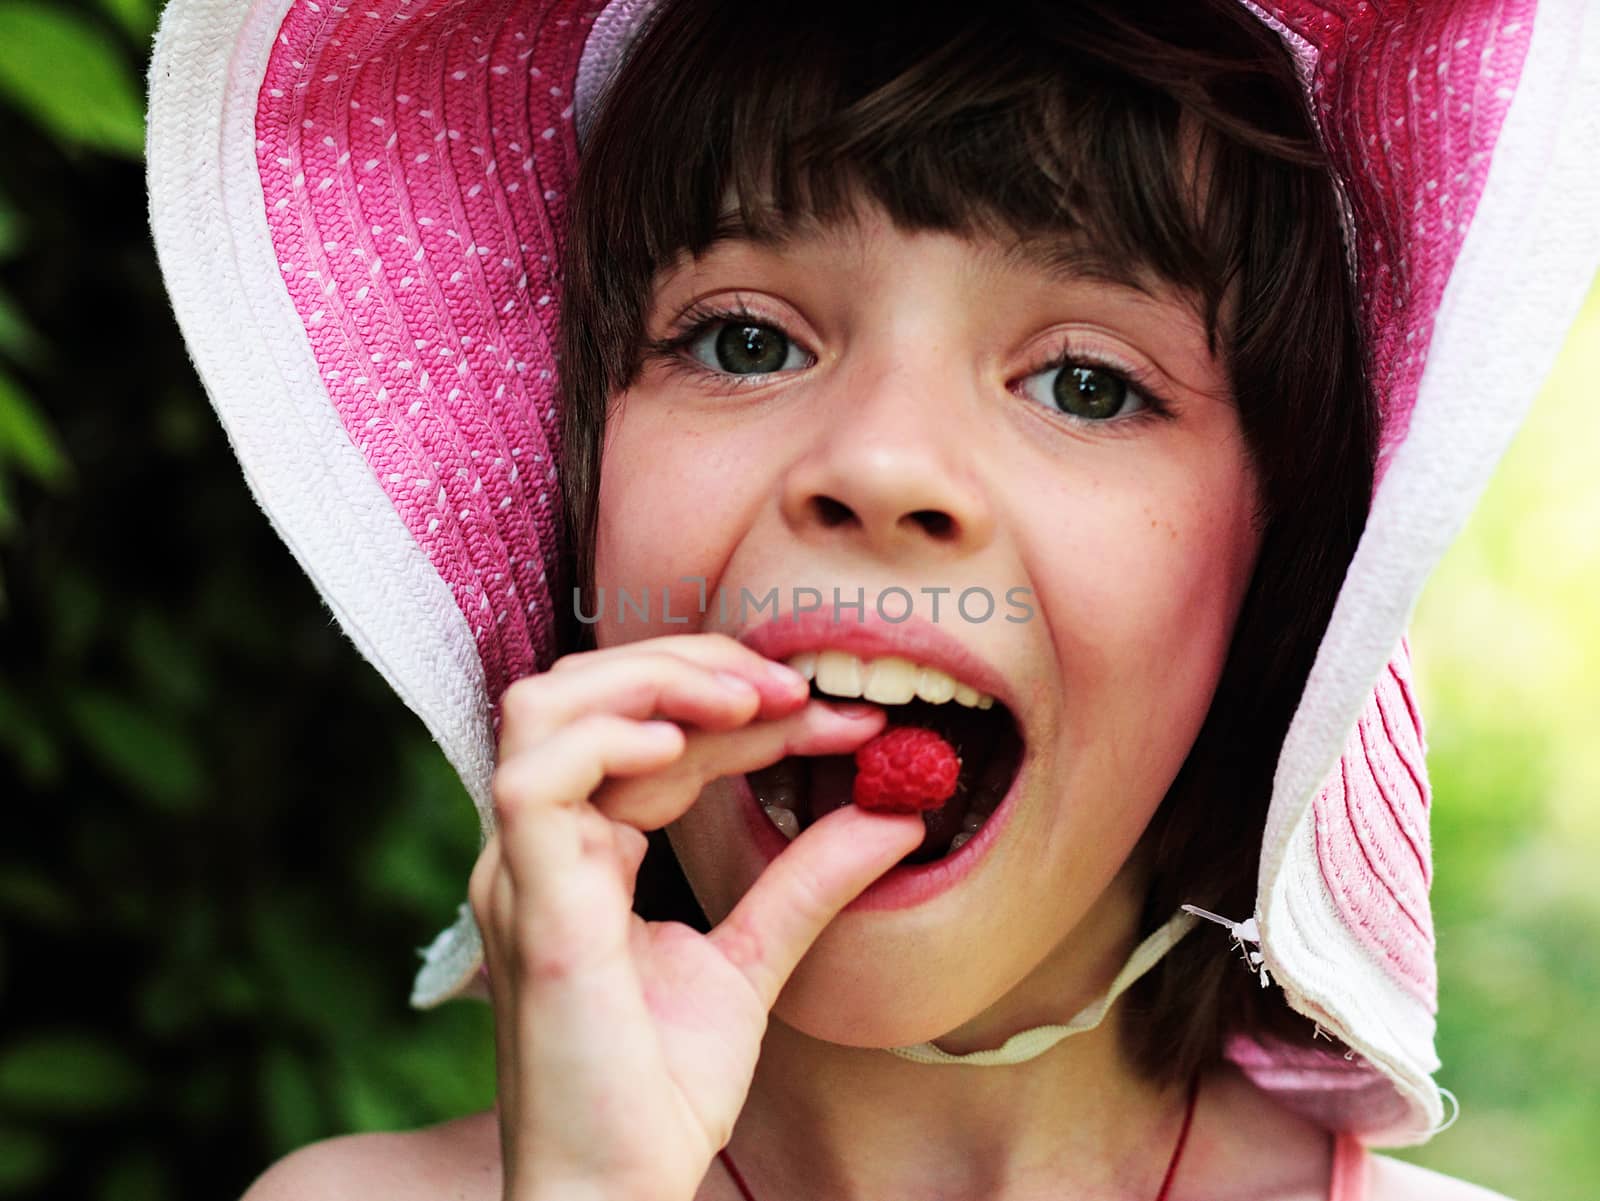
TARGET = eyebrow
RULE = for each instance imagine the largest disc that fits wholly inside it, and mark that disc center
(1067, 259)
(1064, 257)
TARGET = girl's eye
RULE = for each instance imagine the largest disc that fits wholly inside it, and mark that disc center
(1085, 391)
(744, 348)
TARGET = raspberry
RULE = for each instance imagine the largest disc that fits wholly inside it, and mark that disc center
(906, 769)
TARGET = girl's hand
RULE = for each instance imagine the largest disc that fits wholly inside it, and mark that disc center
(625, 1049)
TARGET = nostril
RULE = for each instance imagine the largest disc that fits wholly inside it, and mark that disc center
(832, 512)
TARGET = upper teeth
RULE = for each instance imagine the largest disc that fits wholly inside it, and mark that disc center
(888, 681)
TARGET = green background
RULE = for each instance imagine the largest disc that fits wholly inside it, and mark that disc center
(224, 836)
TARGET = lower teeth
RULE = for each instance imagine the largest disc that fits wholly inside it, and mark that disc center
(784, 819)
(789, 825)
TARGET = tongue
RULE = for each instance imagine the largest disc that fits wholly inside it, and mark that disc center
(832, 779)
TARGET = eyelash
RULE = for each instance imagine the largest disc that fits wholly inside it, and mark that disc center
(669, 352)
(1156, 407)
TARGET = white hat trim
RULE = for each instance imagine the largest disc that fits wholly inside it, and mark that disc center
(209, 217)
(1526, 262)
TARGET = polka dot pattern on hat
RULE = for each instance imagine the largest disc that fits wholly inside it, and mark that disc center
(415, 159)
(1409, 99)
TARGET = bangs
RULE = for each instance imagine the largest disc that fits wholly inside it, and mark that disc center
(1088, 134)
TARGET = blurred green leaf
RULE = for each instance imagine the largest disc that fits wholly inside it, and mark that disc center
(205, 1095)
(77, 610)
(368, 1101)
(448, 1057)
(26, 438)
(137, 18)
(70, 77)
(17, 337)
(314, 969)
(166, 663)
(25, 1159)
(142, 749)
(293, 1110)
(35, 898)
(10, 229)
(421, 853)
(67, 1072)
(136, 1176)
(25, 734)
(233, 992)
(183, 428)
(168, 1004)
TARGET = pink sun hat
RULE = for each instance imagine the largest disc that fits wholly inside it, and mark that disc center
(358, 208)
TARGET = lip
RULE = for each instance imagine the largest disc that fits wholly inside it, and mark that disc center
(873, 638)
(899, 887)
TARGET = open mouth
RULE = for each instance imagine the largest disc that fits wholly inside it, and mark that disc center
(799, 790)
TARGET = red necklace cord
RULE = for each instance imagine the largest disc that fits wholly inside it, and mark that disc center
(1166, 1181)
(1183, 1138)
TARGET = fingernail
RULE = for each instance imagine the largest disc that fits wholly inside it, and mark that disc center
(735, 685)
(788, 677)
(853, 711)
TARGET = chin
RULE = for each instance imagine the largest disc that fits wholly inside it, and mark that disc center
(829, 1018)
(832, 997)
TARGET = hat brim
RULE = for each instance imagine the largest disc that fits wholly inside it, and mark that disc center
(356, 210)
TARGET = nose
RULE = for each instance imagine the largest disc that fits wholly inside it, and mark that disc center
(892, 464)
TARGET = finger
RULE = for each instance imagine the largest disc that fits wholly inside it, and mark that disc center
(493, 900)
(775, 680)
(480, 887)
(820, 728)
(641, 684)
(541, 794)
(494, 909)
(629, 846)
(826, 867)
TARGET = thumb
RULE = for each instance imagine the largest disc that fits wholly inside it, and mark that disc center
(826, 867)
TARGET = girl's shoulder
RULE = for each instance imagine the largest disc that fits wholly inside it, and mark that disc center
(1395, 1180)
(1254, 1147)
(459, 1159)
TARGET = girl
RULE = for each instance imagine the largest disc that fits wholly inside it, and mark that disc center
(1046, 376)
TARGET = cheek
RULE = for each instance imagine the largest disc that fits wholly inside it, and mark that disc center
(1145, 581)
(647, 504)
(660, 506)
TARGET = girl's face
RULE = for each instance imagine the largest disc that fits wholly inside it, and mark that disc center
(905, 420)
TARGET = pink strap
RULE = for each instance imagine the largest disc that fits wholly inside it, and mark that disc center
(1349, 1181)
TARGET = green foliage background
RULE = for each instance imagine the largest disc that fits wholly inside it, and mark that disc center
(207, 898)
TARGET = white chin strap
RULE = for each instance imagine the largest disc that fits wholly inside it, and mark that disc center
(1028, 1044)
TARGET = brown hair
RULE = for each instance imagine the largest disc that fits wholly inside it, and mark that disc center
(1028, 119)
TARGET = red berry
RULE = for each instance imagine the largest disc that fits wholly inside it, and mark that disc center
(906, 769)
